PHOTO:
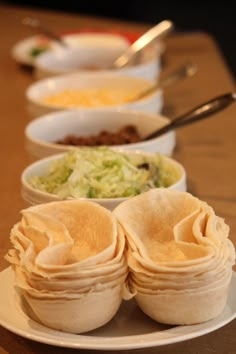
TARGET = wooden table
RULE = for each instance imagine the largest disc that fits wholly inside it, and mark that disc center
(206, 149)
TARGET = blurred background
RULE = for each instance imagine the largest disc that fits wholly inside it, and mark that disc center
(216, 18)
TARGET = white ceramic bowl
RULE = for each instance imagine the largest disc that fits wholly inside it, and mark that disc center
(21, 51)
(98, 56)
(39, 168)
(42, 133)
(82, 49)
(114, 84)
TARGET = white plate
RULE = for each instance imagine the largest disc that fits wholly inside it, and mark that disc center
(21, 50)
(129, 329)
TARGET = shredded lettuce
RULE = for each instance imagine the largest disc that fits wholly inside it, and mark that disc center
(104, 173)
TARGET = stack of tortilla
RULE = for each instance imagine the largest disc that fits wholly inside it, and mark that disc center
(69, 263)
(179, 255)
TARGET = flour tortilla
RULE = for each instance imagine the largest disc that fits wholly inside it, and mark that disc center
(149, 285)
(222, 259)
(73, 285)
(164, 228)
(55, 231)
(92, 228)
(23, 247)
(185, 307)
(78, 315)
(81, 217)
(74, 234)
(80, 271)
(67, 293)
(149, 218)
(30, 247)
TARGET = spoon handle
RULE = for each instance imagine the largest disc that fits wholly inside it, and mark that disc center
(184, 71)
(203, 111)
(147, 38)
(35, 23)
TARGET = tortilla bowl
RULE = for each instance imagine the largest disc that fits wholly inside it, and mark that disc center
(44, 287)
(89, 312)
(81, 243)
(185, 307)
(179, 255)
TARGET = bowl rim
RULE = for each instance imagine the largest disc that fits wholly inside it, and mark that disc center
(51, 55)
(94, 34)
(49, 81)
(48, 159)
(58, 114)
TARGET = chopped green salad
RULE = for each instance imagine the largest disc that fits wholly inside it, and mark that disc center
(104, 173)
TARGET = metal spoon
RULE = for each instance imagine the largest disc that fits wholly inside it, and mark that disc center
(35, 23)
(203, 111)
(184, 71)
(156, 32)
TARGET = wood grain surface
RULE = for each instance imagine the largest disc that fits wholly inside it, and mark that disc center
(206, 149)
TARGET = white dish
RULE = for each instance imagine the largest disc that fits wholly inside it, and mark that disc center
(130, 329)
(42, 133)
(84, 58)
(41, 167)
(21, 50)
(117, 85)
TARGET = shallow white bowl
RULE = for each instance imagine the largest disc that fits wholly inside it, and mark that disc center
(78, 81)
(41, 133)
(98, 55)
(39, 168)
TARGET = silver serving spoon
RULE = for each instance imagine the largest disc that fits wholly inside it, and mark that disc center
(36, 24)
(203, 111)
(187, 70)
(156, 32)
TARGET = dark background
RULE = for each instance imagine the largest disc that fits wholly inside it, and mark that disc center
(218, 18)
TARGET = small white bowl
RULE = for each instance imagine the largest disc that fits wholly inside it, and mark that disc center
(97, 57)
(97, 39)
(22, 50)
(41, 167)
(42, 133)
(89, 81)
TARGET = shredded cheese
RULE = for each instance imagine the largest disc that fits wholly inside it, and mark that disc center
(89, 97)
